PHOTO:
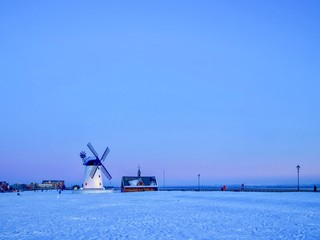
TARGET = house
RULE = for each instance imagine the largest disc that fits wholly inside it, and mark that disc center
(138, 183)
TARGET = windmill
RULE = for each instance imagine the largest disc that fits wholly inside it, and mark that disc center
(94, 169)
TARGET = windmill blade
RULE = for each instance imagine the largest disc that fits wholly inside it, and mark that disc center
(105, 154)
(93, 171)
(92, 150)
(104, 170)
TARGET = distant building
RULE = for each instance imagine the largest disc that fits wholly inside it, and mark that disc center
(20, 187)
(52, 184)
(4, 186)
(45, 185)
(138, 183)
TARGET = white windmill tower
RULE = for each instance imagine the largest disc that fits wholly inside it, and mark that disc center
(94, 169)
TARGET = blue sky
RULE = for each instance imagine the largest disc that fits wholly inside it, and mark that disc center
(227, 89)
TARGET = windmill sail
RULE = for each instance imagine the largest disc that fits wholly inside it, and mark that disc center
(93, 171)
(105, 154)
(106, 173)
(92, 150)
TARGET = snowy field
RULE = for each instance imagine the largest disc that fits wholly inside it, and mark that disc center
(160, 215)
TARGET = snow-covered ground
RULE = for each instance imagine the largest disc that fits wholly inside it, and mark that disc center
(160, 215)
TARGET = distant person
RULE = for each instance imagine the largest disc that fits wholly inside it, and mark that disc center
(242, 187)
(18, 194)
(59, 191)
(314, 188)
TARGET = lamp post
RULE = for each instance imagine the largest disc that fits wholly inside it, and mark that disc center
(298, 169)
(198, 182)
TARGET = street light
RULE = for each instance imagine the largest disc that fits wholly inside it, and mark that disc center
(298, 169)
(198, 182)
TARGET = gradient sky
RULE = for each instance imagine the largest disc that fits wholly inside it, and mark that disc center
(227, 89)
